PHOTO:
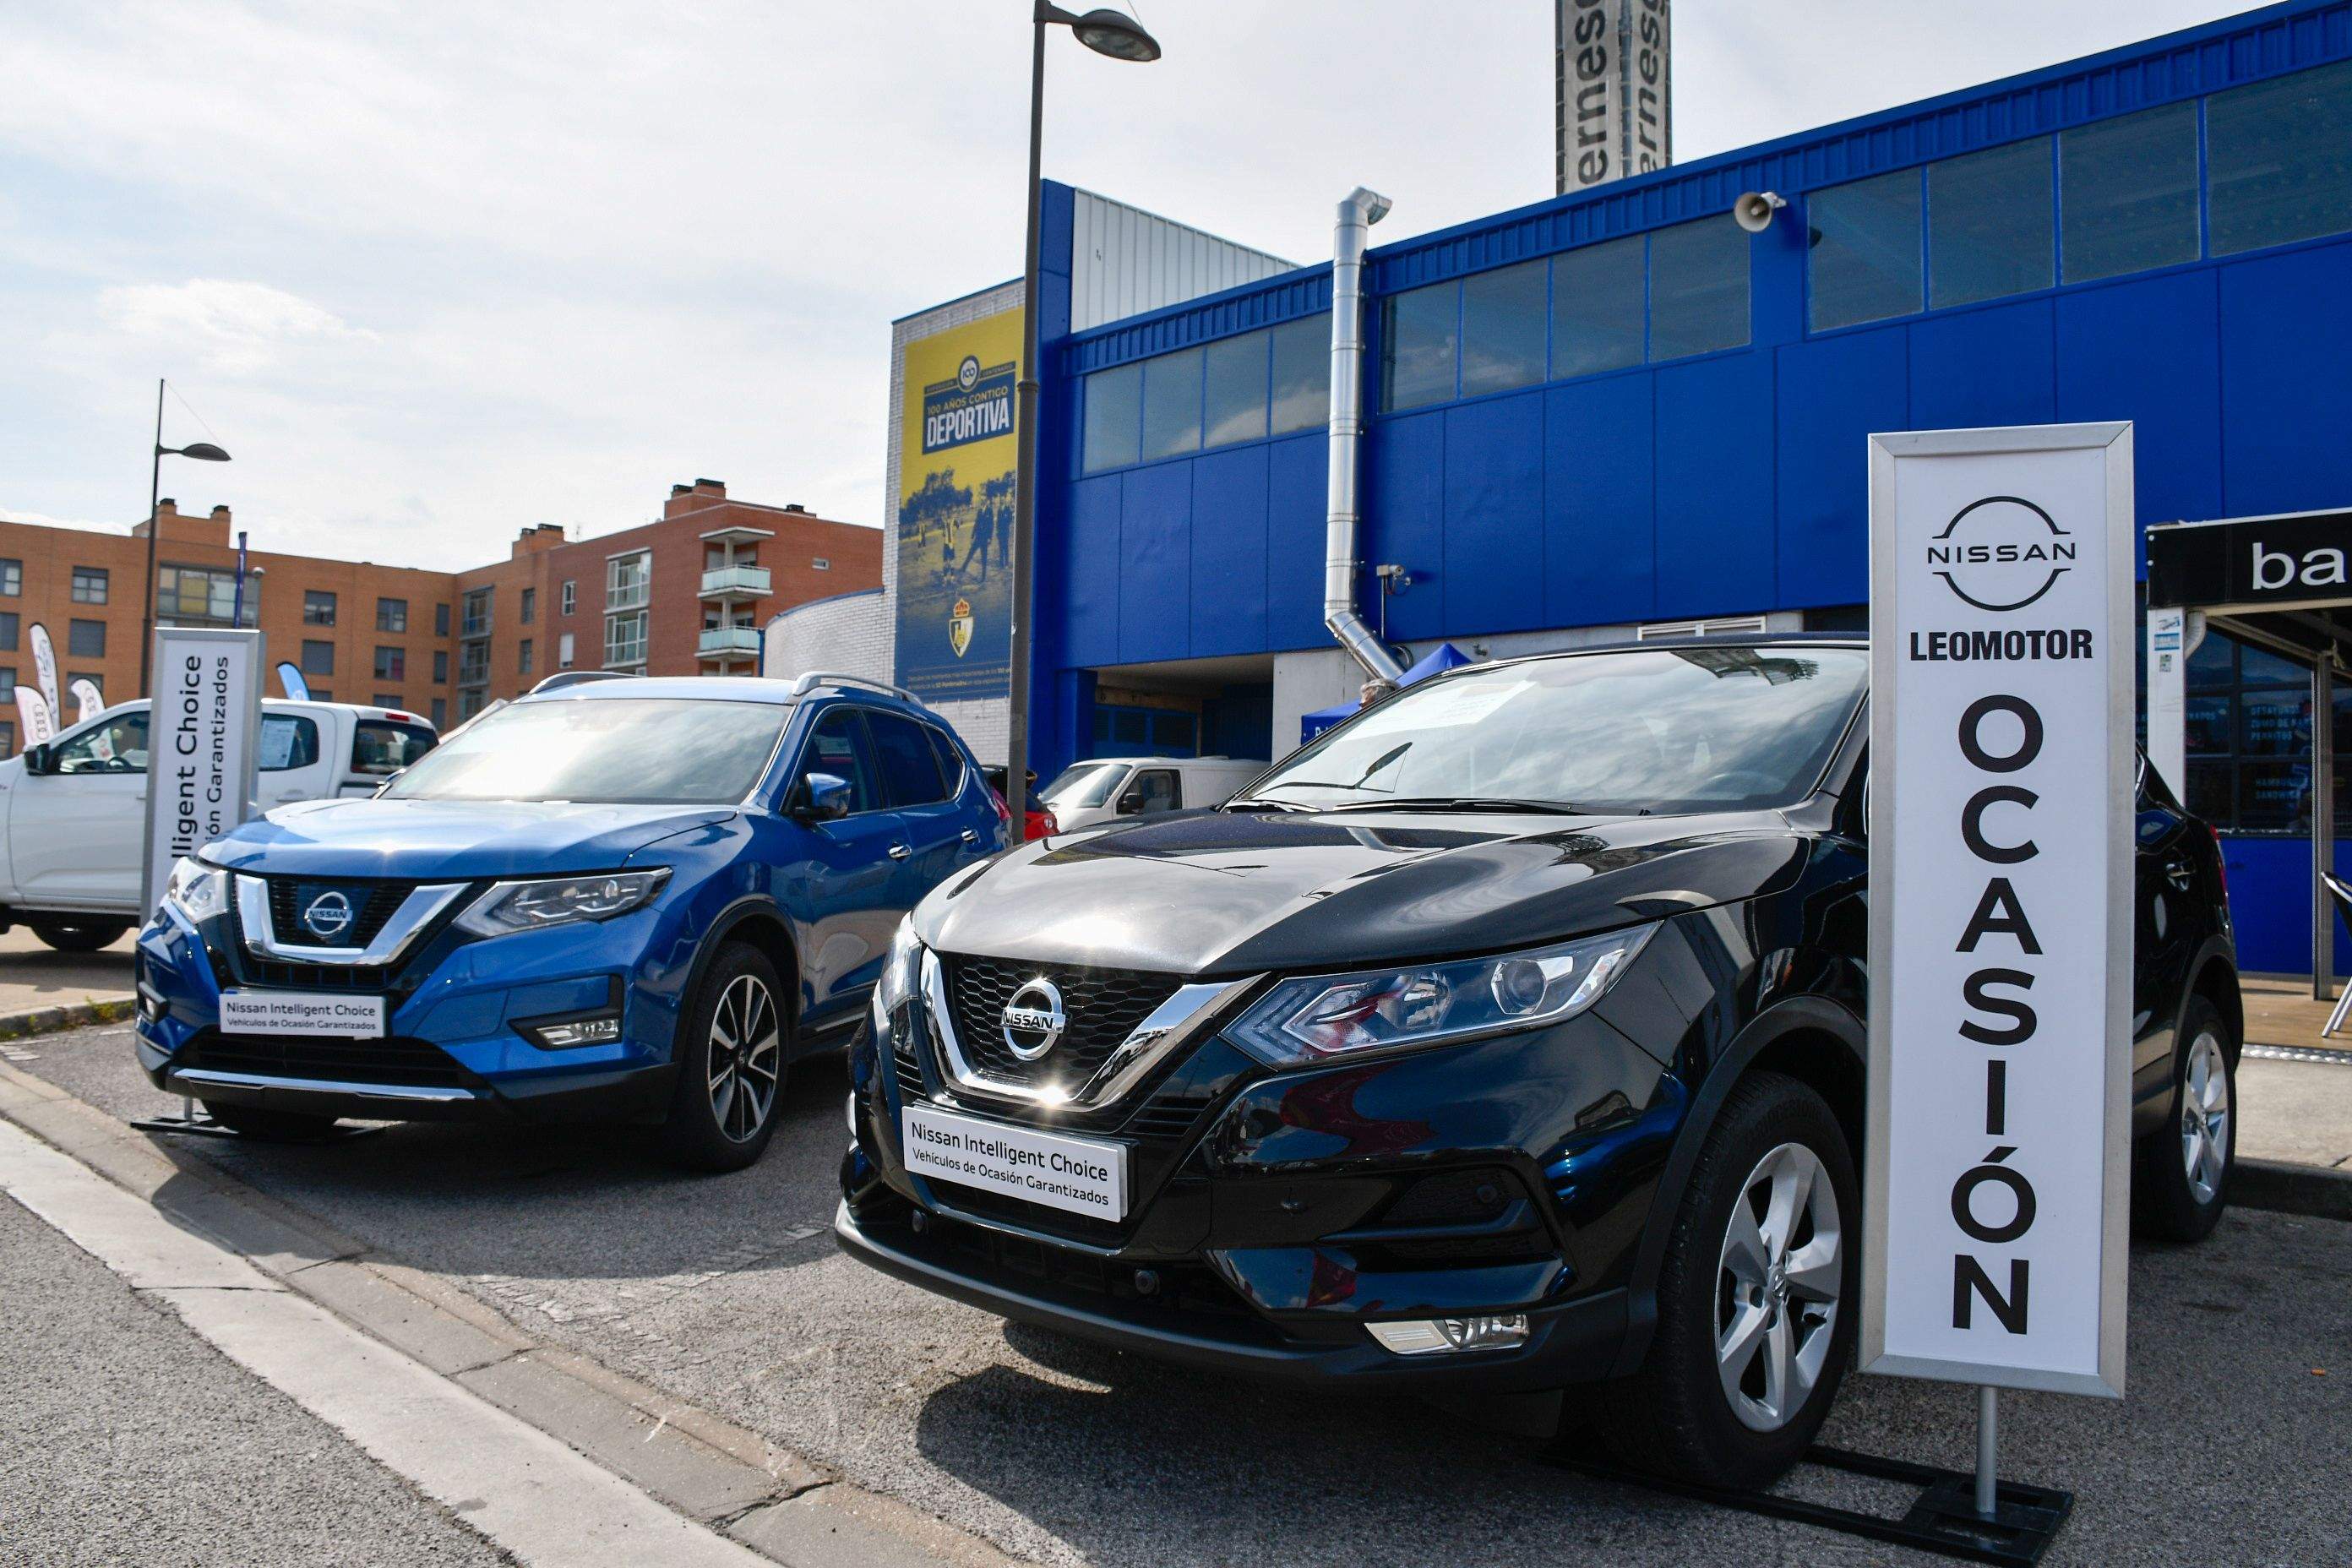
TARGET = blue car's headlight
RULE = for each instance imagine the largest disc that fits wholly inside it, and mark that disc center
(1321, 1017)
(560, 901)
(197, 890)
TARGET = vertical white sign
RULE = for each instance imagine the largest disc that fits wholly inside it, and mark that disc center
(45, 672)
(204, 723)
(2001, 906)
(33, 712)
(1613, 82)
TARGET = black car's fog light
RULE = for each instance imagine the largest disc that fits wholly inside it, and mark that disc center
(1439, 1336)
(570, 1034)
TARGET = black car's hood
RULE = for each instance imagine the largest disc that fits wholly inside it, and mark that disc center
(1218, 893)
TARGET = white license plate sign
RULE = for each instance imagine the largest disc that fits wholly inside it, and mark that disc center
(298, 1013)
(1082, 1175)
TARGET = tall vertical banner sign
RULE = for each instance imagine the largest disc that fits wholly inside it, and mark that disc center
(45, 670)
(2001, 906)
(1612, 90)
(33, 712)
(955, 511)
(203, 725)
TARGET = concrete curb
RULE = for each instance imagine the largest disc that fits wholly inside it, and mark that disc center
(2315, 1190)
(764, 1497)
(109, 1009)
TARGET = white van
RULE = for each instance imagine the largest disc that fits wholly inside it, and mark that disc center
(72, 822)
(1102, 789)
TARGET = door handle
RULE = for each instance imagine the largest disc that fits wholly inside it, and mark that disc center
(899, 852)
(970, 837)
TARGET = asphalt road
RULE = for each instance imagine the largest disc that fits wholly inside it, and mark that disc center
(125, 1438)
(727, 1291)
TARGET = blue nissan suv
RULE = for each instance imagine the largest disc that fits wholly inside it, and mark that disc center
(630, 900)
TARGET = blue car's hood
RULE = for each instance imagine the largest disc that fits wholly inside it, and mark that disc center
(433, 839)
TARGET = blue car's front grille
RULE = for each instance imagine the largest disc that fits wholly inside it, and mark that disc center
(331, 913)
(409, 1063)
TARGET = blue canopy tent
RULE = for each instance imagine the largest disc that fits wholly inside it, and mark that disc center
(1436, 661)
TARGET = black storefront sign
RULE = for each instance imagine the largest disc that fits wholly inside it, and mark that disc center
(2265, 562)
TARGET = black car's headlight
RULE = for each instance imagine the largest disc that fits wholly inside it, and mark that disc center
(197, 890)
(901, 972)
(560, 901)
(1323, 1017)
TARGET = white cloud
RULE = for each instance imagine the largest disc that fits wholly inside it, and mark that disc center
(42, 519)
(236, 328)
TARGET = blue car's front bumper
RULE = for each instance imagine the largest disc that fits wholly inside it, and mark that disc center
(453, 1046)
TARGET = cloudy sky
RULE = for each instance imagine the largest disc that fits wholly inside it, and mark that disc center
(437, 270)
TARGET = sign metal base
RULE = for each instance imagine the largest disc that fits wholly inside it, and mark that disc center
(195, 1123)
(1943, 1518)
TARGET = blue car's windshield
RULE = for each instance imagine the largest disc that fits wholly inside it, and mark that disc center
(618, 750)
(1680, 730)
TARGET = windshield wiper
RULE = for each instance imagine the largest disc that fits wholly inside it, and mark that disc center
(1459, 803)
(1259, 802)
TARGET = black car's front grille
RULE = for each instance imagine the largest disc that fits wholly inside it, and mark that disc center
(325, 1058)
(904, 1062)
(1180, 1287)
(1103, 1006)
(369, 905)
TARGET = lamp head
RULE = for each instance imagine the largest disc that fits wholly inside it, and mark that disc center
(1117, 35)
(203, 451)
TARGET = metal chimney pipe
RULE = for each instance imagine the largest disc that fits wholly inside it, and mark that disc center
(1358, 212)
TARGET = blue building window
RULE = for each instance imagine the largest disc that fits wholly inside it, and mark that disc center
(2279, 160)
(1302, 376)
(1599, 306)
(2247, 734)
(1233, 402)
(1863, 263)
(1172, 405)
(1421, 334)
(1114, 417)
(1990, 222)
(1503, 329)
(2128, 194)
(1698, 288)
(1270, 382)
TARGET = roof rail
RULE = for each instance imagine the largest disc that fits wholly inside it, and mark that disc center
(816, 677)
(563, 678)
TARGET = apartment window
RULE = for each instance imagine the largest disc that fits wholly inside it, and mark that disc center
(528, 608)
(563, 651)
(2128, 194)
(8, 737)
(321, 694)
(1989, 224)
(441, 620)
(477, 621)
(7, 679)
(204, 595)
(1503, 327)
(1233, 402)
(392, 615)
(440, 666)
(627, 581)
(89, 585)
(385, 699)
(440, 712)
(570, 596)
(391, 664)
(522, 657)
(1698, 288)
(317, 608)
(318, 658)
(1420, 332)
(86, 639)
(1172, 405)
(819, 564)
(12, 578)
(473, 663)
(2278, 160)
(625, 640)
(470, 703)
(1864, 261)
(1598, 307)
(8, 633)
(1114, 418)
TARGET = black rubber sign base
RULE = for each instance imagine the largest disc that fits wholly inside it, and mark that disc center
(1943, 1519)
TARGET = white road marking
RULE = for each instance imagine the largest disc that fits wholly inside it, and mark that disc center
(528, 1492)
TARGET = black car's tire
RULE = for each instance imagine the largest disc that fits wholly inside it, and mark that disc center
(2181, 1173)
(1775, 1144)
(731, 1049)
(79, 936)
(270, 1126)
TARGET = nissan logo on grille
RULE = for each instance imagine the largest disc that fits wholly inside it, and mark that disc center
(329, 916)
(1033, 1019)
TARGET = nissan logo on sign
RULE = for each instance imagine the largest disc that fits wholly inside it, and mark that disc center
(2001, 554)
(1033, 1019)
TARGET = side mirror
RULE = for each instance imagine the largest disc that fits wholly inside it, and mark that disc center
(39, 760)
(820, 797)
(1130, 803)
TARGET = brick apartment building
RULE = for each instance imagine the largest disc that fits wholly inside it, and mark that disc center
(684, 596)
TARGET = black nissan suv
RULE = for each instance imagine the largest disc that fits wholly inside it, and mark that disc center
(1460, 1054)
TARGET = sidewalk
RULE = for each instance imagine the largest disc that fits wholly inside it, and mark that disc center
(35, 977)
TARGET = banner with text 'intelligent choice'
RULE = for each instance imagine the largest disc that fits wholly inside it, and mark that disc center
(202, 726)
(2000, 912)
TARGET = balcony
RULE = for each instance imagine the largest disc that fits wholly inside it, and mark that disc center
(730, 584)
(728, 642)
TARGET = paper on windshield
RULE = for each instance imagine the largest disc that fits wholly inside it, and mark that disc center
(277, 746)
(1447, 707)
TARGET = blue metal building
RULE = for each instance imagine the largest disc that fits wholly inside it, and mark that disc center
(1618, 409)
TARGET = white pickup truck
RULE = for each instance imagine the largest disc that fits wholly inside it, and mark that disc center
(72, 811)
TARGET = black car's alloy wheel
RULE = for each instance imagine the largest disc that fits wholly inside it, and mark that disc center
(2180, 1183)
(731, 1053)
(1755, 1300)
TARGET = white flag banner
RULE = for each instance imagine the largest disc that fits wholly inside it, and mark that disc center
(89, 702)
(41, 726)
(45, 670)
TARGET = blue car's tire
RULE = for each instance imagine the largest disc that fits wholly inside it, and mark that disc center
(732, 1050)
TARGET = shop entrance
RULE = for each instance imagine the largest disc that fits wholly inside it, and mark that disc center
(1181, 707)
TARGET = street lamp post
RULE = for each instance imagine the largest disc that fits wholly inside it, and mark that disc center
(1122, 39)
(204, 452)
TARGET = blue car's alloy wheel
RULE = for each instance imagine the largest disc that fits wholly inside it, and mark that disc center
(733, 1049)
(747, 1058)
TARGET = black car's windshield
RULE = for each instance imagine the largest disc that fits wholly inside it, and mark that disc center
(1694, 729)
(619, 751)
